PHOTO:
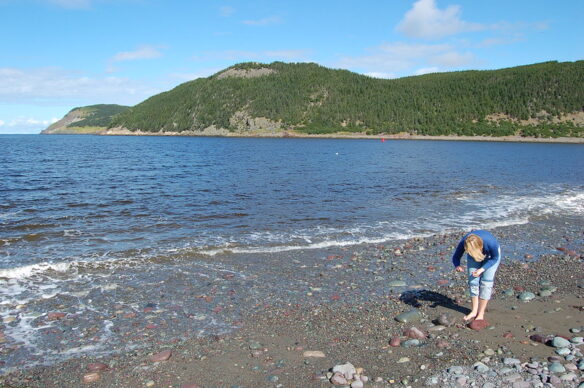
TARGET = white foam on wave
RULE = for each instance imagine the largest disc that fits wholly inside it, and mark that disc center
(498, 211)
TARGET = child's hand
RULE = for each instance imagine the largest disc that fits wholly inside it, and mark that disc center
(459, 268)
(477, 272)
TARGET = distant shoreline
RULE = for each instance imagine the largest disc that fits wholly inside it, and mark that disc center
(340, 135)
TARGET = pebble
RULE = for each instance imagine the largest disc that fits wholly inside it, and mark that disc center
(568, 377)
(445, 319)
(461, 381)
(91, 377)
(96, 367)
(411, 343)
(357, 384)
(409, 316)
(556, 367)
(577, 340)
(559, 342)
(563, 351)
(414, 332)
(397, 283)
(395, 342)
(456, 370)
(526, 296)
(338, 379)
(255, 345)
(480, 367)
(403, 360)
(150, 383)
(314, 353)
(162, 356)
(511, 361)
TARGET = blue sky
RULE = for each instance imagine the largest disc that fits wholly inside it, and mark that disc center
(59, 54)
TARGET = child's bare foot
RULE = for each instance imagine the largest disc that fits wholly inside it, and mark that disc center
(479, 318)
(470, 316)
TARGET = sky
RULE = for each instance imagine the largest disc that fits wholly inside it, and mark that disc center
(56, 55)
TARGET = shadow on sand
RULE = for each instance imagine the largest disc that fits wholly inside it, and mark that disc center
(415, 298)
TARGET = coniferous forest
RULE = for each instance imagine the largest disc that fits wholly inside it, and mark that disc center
(528, 100)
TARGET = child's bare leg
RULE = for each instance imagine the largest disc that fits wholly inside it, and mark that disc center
(475, 308)
(482, 307)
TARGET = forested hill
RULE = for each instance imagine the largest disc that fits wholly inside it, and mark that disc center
(86, 119)
(542, 100)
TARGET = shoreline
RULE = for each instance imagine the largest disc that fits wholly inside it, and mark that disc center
(340, 135)
(338, 316)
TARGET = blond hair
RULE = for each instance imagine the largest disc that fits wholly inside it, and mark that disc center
(473, 245)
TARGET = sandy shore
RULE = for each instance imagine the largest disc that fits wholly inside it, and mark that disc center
(337, 318)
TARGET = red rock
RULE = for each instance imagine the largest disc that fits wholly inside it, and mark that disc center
(217, 309)
(572, 253)
(55, 316)
(528, 256)
(149, 309)
(478, 324)
(335, 297)
(395, 342)
(96, 367)
(431, 268)
(91, 378)
(508, 335)
(209, 299)
(562, 249)
(414, 332)
(162, 356)
(129, 315)
(443, 344)
(442, 282)
(151, 326)
(519, 288)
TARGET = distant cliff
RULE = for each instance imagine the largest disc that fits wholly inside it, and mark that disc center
(86, 120)
(541, 100)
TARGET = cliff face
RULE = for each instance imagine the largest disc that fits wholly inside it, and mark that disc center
(61, 126)
(86, 120)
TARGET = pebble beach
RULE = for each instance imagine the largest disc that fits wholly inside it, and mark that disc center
(378, 315)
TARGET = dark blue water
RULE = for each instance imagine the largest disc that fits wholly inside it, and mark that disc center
(87, 217)
(66, 197)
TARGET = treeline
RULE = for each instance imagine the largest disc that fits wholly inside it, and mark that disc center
(313, 99)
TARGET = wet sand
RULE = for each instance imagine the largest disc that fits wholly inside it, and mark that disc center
(340, 302)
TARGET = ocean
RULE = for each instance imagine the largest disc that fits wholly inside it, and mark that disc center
(102, 227)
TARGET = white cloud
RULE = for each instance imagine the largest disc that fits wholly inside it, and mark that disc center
(263, 22)
(426, 21)
(393, 58)
(453, 59)
(377, 74)
(226, 11)
(51, 86)
(23, 125)
(144, 52)
(426, 70)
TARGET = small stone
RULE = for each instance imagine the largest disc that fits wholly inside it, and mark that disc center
(9, 319)
(395, 342)
(445, 320)
(489, 352)
(347, 370)
(313, 353)
(409, 316)
(403, 360)
(150, 383)
(478, 324)
(397, 283)
(255, 345)
(563, 351)
(556, 367)
(522, 384)
(357, 384)
(456, 370)
(568, 377)
(511, 361)
(414, 332)
(508, 292)
(55, 316)
(162, 356)
(539, 338)
(526, 296)
(91, 378)
(559, 342)
(411, 343)
(338, 379)
(577, 340)
(461, 381)
(190, 385)
(96, 367)
(272, 378)
(480, 367)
